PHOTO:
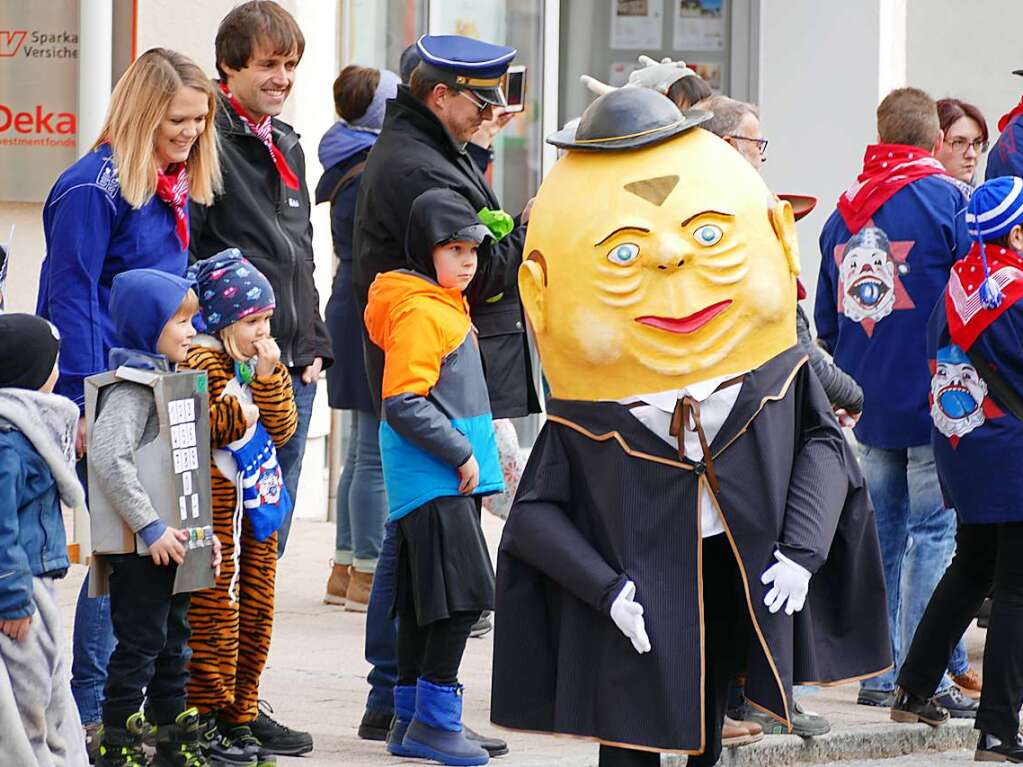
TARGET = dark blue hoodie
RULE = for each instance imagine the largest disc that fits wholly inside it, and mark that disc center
(141, 303)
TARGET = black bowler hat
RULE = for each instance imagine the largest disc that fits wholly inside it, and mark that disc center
(627, 118)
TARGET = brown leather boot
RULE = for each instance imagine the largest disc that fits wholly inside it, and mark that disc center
(740, 733)
(969, 683)
(359, 587)
(337, 585)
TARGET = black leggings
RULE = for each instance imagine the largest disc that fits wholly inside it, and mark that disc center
(434, 651)
(986, 555)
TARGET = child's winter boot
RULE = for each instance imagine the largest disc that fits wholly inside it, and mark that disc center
(122, 746)
(436, 729)
(404, 710)
(177, 745)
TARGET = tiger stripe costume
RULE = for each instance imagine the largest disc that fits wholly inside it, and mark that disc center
(230, 640)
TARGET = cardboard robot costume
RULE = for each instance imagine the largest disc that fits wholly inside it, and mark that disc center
(172, 470)
(687, 444)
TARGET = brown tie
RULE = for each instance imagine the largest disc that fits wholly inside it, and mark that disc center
(687, 416)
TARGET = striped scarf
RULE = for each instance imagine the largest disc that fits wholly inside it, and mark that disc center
(263, 130)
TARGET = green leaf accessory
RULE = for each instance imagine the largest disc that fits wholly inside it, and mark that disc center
(498, 222)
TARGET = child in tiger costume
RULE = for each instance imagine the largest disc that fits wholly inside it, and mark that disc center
(252, 412)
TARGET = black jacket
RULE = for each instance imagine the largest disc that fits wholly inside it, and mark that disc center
(414, 154)
(604, 500)
(270, 224)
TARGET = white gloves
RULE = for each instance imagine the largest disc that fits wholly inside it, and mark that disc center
(628, 617)
(657, 75)
(791, 583)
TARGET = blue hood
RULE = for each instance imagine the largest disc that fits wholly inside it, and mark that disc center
(141, 303)
(342, 141)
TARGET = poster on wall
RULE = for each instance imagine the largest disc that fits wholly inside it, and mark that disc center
(38, 95)
(620, 71)
(699, 25)
(482, 19)
(709, 71)
(636, 25)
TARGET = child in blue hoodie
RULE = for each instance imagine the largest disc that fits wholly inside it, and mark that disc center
(39, 722)
(152, 314)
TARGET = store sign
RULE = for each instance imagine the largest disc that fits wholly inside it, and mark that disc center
(38, 95)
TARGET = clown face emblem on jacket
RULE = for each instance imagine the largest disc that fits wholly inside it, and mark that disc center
(957, 394)
(868, 276)
(270, 483)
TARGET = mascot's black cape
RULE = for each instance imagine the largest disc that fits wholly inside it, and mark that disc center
(603, 499)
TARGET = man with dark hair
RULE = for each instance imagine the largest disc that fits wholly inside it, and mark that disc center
(264, 212)
(885, 257)
(426, 144)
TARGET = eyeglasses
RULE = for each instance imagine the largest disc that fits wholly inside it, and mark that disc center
(960, 145)
(480, 105)
(760, 142)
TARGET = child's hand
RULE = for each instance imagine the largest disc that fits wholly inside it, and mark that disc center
(251, 414)
(217, 557)
(468, 476)
(168, 546)
(16, 628)
(268, 354)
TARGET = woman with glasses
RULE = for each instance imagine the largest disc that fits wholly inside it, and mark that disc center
(966, 139)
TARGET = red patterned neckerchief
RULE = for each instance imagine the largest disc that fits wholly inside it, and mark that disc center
(1011, 115)
(967, 315)
(886, 169)
(263, 130)
(172, 188)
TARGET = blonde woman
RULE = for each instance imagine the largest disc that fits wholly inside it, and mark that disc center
(124, 205)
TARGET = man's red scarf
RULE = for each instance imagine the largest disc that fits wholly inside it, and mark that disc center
(1011, 115)
(886, 169)
(263, 130)
(967, 316)
(172, 188)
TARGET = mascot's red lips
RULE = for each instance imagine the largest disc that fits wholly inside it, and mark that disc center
(688, 324)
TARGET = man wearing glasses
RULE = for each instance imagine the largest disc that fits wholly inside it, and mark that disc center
(451, 92)
(738, 123)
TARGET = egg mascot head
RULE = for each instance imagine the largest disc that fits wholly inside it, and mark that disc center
(656, 256)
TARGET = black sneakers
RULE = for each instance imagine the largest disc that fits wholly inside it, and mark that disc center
(218, 748)
(990, 748)
(910, 709)
(177, 745)
(122, 746)
(240, 736)
(493, 746)
(276, 738)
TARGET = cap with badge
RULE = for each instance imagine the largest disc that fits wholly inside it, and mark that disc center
(467, 64)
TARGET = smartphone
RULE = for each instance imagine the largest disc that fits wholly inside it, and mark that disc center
(515, 88)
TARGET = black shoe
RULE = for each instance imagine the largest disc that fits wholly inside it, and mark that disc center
(877, 698)
(990, 748)
(218, 749)
(276, 738)
(177, 745)
(122, 746)
(493, 746)
(959, 705)
(375, 724)
(240, 736)
(482, 626)
(910, 709)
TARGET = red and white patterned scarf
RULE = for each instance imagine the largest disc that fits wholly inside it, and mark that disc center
(172, 188)
(263, 130)
(886, 169)
(966, 313)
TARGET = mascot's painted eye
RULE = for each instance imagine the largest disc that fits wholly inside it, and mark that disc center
(624, 255)
(708, 235)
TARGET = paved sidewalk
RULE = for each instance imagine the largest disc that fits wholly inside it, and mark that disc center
(316, 680)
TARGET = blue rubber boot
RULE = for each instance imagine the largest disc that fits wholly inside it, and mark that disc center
(404, 710)
(436, 729)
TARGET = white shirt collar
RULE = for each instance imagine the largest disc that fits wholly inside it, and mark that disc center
(666, 400)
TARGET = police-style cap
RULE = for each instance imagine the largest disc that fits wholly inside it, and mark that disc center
(468, 64)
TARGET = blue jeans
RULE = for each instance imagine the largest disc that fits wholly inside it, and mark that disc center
(382, 629)
(917, 535)
(92, 645)
(361, 499)
(290, 456)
